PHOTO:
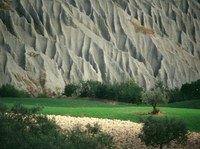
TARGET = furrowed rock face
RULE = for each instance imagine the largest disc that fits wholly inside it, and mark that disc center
(45, 44)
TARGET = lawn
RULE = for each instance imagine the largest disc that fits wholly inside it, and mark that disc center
(194, 104)
(104, 109)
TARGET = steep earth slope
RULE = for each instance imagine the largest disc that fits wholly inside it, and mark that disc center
(45, 44)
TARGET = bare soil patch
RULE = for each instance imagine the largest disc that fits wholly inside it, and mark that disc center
(150, 114)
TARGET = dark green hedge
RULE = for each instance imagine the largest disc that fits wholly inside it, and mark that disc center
(188, 91)
(8, 90)
(127, 91)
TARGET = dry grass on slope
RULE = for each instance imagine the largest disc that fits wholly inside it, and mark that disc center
(143, 29)
(5, 4)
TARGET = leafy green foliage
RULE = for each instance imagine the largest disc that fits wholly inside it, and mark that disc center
(3, 108)
(160, 132)
(87, 88)
(22, 129)
(91, 138)
(9, 90)
(154, 97)
(19, 109)
(70, 90)
(104, 91)
(188, 91)
(191, 91)
(174, 95)
(127, 91)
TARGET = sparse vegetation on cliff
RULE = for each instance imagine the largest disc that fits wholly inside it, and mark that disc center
(5, 4)
(143, 29)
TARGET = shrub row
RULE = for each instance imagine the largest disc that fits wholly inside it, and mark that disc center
(188, 91)
(127, 91)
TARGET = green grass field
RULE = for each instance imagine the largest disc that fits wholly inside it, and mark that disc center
(102, 109)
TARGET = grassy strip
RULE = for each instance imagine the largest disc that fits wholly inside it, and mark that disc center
(70, 102)
(190, 116)
(193, 104)
(98, 109)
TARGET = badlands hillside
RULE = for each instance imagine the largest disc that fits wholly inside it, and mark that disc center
(45, 44)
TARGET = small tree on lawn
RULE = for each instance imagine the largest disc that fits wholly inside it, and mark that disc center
(154, 97)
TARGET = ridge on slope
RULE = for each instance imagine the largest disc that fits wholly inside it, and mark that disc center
(45, 44)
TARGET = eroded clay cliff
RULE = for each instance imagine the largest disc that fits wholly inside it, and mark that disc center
(45, 44)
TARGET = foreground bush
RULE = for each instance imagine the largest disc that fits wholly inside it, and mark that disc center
(23, 129)
(90, 138)
(160, 132)
(9, 90)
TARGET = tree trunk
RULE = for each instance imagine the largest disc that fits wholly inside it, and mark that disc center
(154, 108)
(155, 111)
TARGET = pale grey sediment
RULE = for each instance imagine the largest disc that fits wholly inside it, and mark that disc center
(45, 44)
